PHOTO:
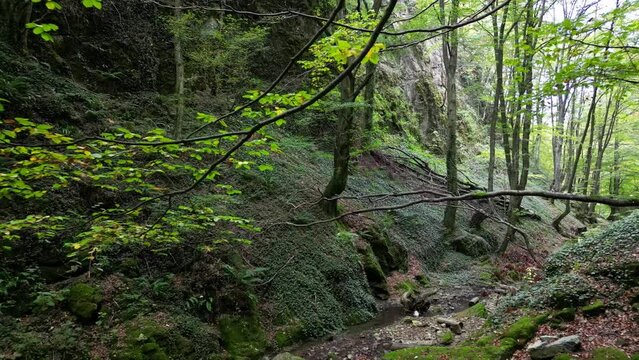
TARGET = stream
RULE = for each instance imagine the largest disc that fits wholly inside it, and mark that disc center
(393, 328)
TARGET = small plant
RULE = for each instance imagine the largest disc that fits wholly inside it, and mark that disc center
(49, 299)
(447, 337)
(245, 276)
(200, 303)
(407, 287)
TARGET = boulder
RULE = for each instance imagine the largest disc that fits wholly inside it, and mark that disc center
(471, 244)
(541, 349)
(84, 301)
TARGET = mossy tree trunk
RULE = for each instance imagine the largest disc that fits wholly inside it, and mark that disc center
(369, 94)
(342, 149)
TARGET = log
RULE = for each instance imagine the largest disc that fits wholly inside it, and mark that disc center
(454, 325)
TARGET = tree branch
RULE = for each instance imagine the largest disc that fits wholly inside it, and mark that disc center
(617, 202)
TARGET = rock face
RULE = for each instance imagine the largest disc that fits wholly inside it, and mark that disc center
(544, 349)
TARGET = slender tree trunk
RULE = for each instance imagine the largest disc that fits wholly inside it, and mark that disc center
(615, 186)
(342, 150)
(571, 177)
(603, 140)
(498, 47)
(449, 48)
(522, 120)
(558, 139)
(369, 93)
(179, 76)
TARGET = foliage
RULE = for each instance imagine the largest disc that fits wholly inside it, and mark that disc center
(45, 30)
(219, 53)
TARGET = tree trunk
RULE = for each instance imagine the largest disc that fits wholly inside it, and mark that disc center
(498, 47)
(603, 140)
(615, 181)
(571, 176)
(369, 94)
(179, 76)
(449, 49)
(342, 150)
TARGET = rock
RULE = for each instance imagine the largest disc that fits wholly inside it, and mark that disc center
(545, 350)
(391, 256)
(594, 309)
(474, 301)
(287, 356)
(84, 301)
(436, 310)
(471, 244)
(548, 338)
(374, 273)
(565, 314)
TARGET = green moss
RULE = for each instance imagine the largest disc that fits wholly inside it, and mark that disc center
(524, 329)
(181, 337)
(84, 301)
(477, 310)
(563, 357)
(242, 336)
(608, 354)
(487, 352)
(374, 273)
(565, 314)
(447, 337)
(596, 308)
(390, 255)
(289, 334)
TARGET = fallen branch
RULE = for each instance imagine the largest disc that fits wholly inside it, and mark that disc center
(618, 202)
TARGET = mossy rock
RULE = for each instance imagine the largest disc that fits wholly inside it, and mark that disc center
(608, 354)
(596, 308)
(374, 273)
(242, 336)
(390, 255)
(84, 301)
(471, 244)
(488, 352)
(563, 315)
(524, 329)
(477, 310)
(181, 337)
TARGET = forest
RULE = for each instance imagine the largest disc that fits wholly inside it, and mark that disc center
(319, 179)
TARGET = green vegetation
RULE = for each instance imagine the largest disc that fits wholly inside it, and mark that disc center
(594, 309)
(524, 329)
(447, 337)
(485, 352)
(608, 354)
(84, 301)
(180, 181)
